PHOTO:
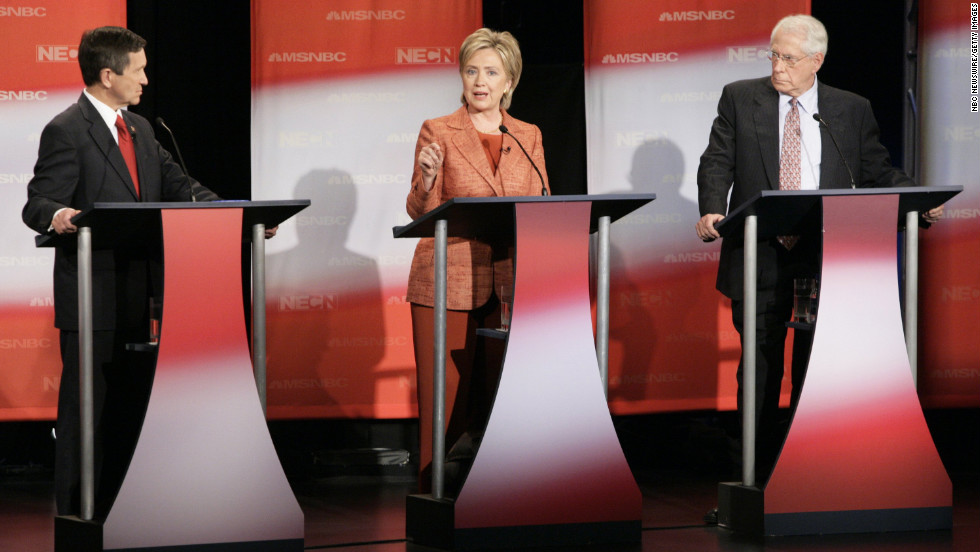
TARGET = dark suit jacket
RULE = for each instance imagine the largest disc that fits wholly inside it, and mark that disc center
(743, 155)
(79, 164)
(473, 272)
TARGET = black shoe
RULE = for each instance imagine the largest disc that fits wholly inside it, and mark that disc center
(711, 518)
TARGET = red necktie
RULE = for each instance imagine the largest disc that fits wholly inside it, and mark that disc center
(128, 152)
(789, 161)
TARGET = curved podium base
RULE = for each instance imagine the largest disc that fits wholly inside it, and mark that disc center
(204, 475)
(549, 469)
(858, 456)
(78, 535)
(431, 522)
(742, 509)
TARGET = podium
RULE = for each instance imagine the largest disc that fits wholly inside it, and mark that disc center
(550, 469)
(204, 473)
(858, 456)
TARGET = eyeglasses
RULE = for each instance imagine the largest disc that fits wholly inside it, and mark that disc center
(789, 61)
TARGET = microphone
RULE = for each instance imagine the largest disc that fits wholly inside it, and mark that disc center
(544, 189)
(819, 119)
(179, 156)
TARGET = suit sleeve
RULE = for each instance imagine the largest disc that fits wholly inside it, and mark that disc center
(55, 178)
(716, 170)
(420, 201)
(876, 166)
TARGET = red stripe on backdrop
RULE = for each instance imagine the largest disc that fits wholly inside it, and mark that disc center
(31, 364)
(949, 297)
(307, 41)
(38, 64)
(330, 359)
(631, 27)
(937, 15)
(40, 42)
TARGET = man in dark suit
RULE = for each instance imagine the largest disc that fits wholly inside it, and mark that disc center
(82, 160)
(766, 138)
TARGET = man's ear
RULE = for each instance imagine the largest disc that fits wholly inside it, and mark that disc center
(105, 77)
(818, 58)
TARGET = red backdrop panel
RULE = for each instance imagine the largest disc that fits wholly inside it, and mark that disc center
(39, 77)
(949, 293)
(340, 91)
(654, 73)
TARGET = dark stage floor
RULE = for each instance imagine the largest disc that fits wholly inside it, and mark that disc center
(677, 459)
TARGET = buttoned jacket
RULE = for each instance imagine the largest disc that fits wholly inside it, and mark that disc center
(474, 268)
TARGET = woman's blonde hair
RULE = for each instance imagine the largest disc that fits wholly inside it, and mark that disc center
(506, 46)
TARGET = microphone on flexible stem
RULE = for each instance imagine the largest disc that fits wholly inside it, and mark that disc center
(544, 189)
(179, 156)
(819, 119)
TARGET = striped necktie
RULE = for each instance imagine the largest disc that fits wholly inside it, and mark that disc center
(789, 161)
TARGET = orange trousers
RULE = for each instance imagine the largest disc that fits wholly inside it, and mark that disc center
(472, 372)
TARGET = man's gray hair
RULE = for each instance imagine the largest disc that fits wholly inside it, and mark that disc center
(812, 31)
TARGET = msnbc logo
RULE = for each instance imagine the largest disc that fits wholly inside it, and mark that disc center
(694, 15)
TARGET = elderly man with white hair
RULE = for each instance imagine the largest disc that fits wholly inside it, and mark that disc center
(777, 132)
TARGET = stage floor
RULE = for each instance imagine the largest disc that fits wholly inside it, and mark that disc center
(366, 513)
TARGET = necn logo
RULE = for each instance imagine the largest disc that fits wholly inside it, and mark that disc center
(48, 53)
(436, 56)
(746, 54)
(307, 302)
